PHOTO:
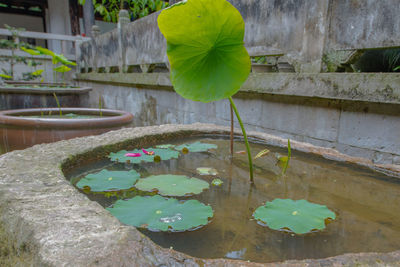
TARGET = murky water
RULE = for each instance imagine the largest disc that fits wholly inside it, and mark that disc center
(366, 204)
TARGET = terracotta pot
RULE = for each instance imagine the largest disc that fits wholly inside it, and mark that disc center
(27, 96)
(19, 132)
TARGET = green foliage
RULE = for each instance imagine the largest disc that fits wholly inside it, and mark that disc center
(32, 52)
(205, 49)
(62, 69)
(172, 185)
(45, 51)
(37, 73)
(164, 154)
(159, 214)
(106, 180)
(5, 76)
(109, 9)
(196, 147)
(298, 216)
(61, 58)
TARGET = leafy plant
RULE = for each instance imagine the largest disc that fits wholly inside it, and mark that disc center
(106, 180)
(206, 52)
(160, 214)
(109, 10)
(172, 185)
(298, 216)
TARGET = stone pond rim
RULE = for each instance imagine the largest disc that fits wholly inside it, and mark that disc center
(19, 132)
(45, 217)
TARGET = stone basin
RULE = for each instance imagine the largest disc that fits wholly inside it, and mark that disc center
(45, 221)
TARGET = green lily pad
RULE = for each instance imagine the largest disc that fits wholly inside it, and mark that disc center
(164, 154)
(196, 147)
(172, 185)
(299, 216)
(160, 214)
(205, 49)
(206, 171)
(165, 146)
(217, 182)
(106, 180)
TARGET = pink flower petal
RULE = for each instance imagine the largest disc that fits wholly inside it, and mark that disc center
(133, 155)
(148, 152)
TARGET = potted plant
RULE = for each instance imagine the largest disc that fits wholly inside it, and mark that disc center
(21, 128)
(25, 90)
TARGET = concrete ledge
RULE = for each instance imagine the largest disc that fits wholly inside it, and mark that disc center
(47, 220)
(367, 87)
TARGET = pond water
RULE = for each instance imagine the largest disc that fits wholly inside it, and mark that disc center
(366, 204)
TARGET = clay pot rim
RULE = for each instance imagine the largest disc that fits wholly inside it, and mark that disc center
(111, 118)
(44, 90)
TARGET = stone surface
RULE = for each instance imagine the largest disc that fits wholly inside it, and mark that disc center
(45, 219)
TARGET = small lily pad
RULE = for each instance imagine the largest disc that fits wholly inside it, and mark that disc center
(164, 154)
(298, 216)
(206, 171)
(172, 185)
(217, 182)
(165, 146)
(160, 214)
(106, 180)
(196, 147)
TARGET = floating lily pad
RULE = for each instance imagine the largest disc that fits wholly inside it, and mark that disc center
(172, 185)
(196, 147)
(160, 214)
(299, 216)
(206, 171)
(106, 180)
(217, 182)
(205, 49)
(164, 154)
(165, 146)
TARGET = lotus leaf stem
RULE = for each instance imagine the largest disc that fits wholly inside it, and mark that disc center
(245, 140)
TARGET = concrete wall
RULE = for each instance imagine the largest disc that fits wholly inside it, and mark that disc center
(357, 120)
(302, 31)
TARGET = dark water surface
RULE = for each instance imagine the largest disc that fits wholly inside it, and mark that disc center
(366, 204)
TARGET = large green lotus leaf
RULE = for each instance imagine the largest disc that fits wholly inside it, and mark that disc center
(159, 214)
(196, 147)
(106, 180)
(164, 154)
(205, 49)
(172, 185)
(299, 216)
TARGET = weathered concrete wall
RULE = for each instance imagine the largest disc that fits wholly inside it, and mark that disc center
(357, 114)
(302, 31)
